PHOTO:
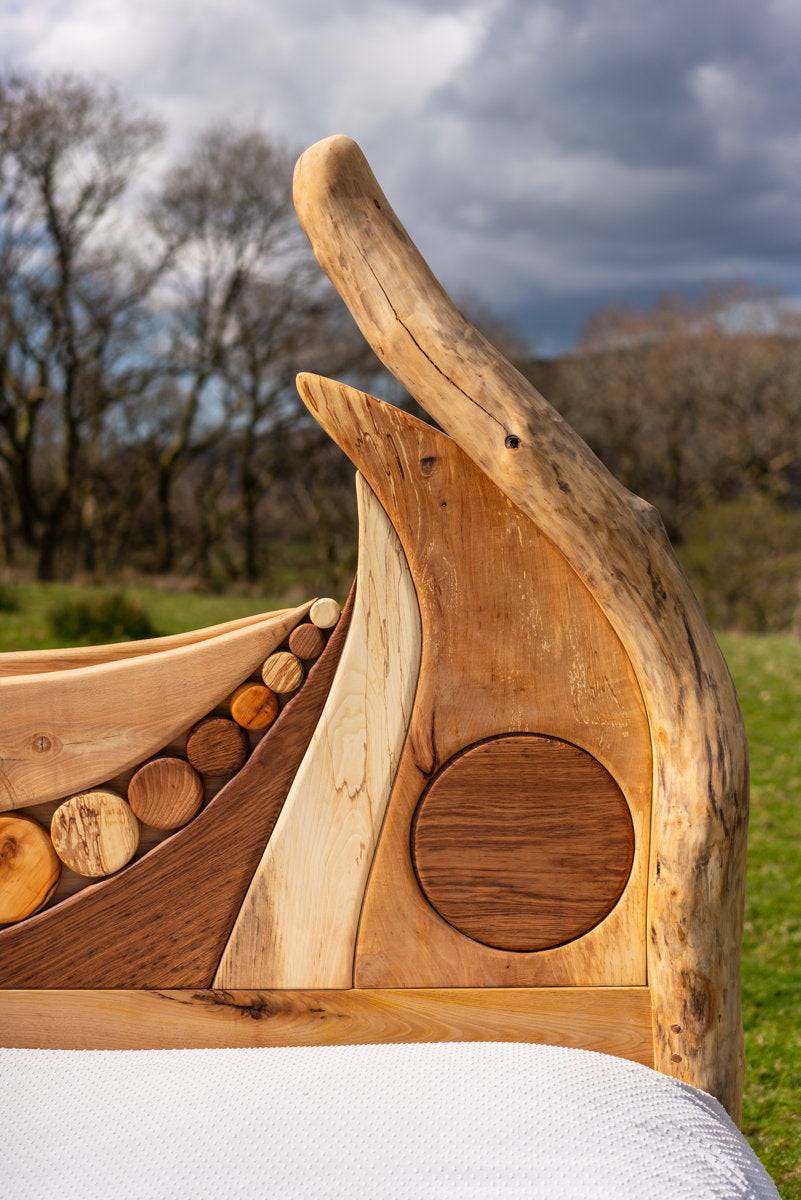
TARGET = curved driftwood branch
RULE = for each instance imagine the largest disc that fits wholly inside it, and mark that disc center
(616, 544)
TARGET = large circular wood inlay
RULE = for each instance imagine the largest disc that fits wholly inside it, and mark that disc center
(523, 842)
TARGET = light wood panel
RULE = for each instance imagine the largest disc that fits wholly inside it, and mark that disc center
(617, 545)
(29, 867)
(163, 921)
(297, 927)
(512, 642)
(34, 662)
(66, 731)
(609, 1020)
(523, 842)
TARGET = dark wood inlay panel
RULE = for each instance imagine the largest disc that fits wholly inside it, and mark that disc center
(523, 842)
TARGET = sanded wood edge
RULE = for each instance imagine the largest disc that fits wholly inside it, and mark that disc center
(610, 1020)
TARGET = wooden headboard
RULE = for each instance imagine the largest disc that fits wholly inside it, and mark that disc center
(501, 795)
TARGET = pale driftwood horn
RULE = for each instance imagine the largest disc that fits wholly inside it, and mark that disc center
(616, 544)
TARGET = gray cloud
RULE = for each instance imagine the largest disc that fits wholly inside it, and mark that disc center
(546, 156)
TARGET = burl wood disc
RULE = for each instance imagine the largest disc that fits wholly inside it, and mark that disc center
(29, 867)
(217, 746)
(94, 833)
(254, 706)
(165, 793)
(523, 842)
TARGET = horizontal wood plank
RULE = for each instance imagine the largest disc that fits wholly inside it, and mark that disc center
(611, 1020)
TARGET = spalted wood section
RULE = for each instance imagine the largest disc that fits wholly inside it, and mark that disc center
(29, 867)
(297, 927)
(616, 544)
(94, 833)
(512, 642)
(66, 731)
(34, 662)
(610, 1020)
(165, 919)
(523, 842)
(217, 747)
(165, 792)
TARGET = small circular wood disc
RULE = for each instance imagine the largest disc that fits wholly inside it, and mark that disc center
(307, 641)
(217, 747)
(254, 706)
(283, 672)
(165, 792)
(94, 833)
(324, 613)
(29, 867)
(523, 842)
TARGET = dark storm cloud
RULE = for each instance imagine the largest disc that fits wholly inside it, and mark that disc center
(547, 156)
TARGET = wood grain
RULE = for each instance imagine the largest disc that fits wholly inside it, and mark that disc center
(254, 706)
(610, 1020)
(34, 662)
(29, 867)
(283, 672)
(617, 546)
(68, 730)
(297, 927)
(307, 641)
(94, 833)
(523, 842)
(165, 792)
(164, 920)
(217, 747)
(512, 642)
(324, 613)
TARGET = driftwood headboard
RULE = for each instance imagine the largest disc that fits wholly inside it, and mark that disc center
(502, 795)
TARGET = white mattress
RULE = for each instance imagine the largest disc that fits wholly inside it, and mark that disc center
(421, 1122)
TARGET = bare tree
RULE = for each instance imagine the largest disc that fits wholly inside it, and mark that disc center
(71, 300)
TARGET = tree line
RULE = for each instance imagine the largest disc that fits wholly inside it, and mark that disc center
(154, 311)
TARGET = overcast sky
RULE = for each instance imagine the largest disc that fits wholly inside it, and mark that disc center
(548, 157)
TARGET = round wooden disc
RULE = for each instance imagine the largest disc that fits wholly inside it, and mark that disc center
(324, 613)
(254, 706)
(217, 747)
(165, 792)
(94, 833)
(523, 842)
(29, 867)
(283, 672)
(307, 641)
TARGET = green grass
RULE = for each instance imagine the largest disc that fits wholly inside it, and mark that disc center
(767, 671)
(170, 612)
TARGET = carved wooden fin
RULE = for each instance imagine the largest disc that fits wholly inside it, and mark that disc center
(65, 731)
(617, 546)
(513, 643)
(297, 927)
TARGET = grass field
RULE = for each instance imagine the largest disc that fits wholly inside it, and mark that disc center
(767, 671)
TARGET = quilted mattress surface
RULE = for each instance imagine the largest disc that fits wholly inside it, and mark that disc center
(419, 1122)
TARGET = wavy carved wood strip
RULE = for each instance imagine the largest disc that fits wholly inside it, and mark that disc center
(297, 927)
(610, 1020)
(35, 662)
(512, 642)
(65, 731)
(164, 920)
